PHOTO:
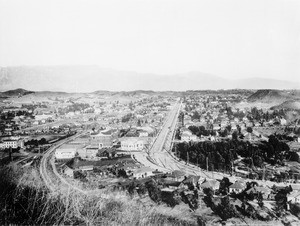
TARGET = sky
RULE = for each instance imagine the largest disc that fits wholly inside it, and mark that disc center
(228, 38)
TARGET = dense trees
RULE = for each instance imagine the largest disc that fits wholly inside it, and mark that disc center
(35, 142)
(220, 155)
(259, 115)
(200, 130)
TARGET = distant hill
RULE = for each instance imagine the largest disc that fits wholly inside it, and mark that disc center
(269, 95)
(276, 99)
(15, 93)
(90, 78)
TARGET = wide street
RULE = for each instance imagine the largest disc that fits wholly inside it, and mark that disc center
(160, 156)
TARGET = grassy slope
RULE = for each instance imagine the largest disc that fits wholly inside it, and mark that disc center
(25, 200)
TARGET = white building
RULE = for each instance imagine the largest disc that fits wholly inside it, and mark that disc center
(132, 144)
(294, 197)
(43, 117)
(12, 143)
(88, 152)
(67, 151)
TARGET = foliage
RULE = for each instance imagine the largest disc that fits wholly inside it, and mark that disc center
(200, 130)
(225, 210)
(260, 199)
(154, 191)
(224, 186)
(25, 201)
(220, 155)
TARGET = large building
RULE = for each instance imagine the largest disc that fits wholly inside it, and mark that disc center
(67, 151)
(132, 144)
(12, 143)
(103, 139)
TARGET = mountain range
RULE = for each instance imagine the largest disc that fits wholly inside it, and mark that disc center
(92, 78)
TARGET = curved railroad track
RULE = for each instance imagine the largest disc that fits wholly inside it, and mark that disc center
(52, 179)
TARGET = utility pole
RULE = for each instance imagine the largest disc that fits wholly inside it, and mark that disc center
(187, 153)
(10, 154)
(207, 164)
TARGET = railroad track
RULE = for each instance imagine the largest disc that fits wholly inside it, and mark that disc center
(56, 182)
(52, 179)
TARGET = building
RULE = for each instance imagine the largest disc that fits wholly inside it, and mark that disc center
(89, 152)
(213, 184)
(132, 144)
(68, 171)
(104, 139)
(143, 133)
(293, 197)
(187, 138)
(237, 187)
(265, 191)
(12, 143)
(67, 151)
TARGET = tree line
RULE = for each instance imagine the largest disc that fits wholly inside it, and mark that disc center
(220, 155)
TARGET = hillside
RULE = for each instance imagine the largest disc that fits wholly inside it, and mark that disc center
(270, 96)
(288, 105)
(15, 93)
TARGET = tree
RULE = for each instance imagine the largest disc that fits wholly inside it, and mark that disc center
(154, 191)
(225, 210)
(224, 186)
(122, 173)
(131, 188)
(249, 129)
(208, 198)
(139, 123)
(234, 135)
(260, 199)
(141, 189)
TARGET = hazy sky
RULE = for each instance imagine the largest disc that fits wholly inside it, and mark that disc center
(232, 39)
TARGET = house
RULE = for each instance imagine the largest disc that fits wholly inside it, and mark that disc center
(283, 122)
(295, 187)
(143, 172)
(192, 181)
(86, 168)
(212, 184)
(107, 153)
(237, 187)
(171, 184)
(216, 126)
(143, 133)
(178, 175)
(68, 171)
(294, 197)
(265, 191)
(186, 131)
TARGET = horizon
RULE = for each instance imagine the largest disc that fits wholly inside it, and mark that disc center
(232, 39)
(90, 78)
